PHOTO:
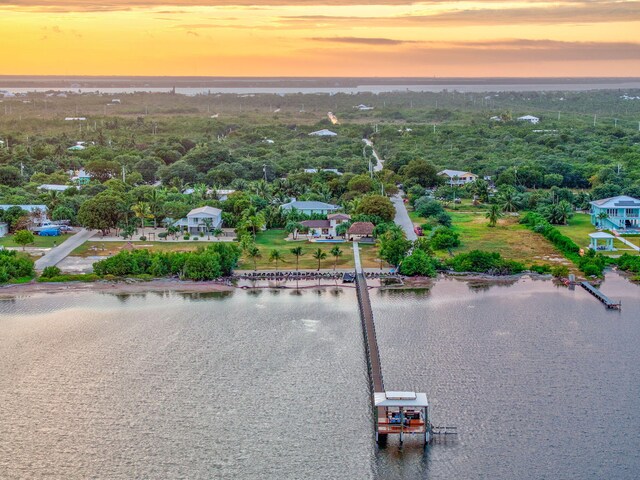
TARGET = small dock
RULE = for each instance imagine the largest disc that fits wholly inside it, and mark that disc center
(606, 301)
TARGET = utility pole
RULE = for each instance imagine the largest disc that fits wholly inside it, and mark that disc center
(615, 122)
(124, 180)
(594, 120)
(264, 170)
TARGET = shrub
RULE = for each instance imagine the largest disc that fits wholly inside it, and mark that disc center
(187, 237)
(541, 269)
(162, 235)
(143, 238)
(196, 238)
(560, 271)
(49, 272)
(13, 267)
(444, 237)
(485, 262)
(418, 263)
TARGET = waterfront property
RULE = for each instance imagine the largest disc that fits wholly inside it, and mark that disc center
(616, 213)
(401, 413)
(458, 177)
(199, 220)
(310, 208)
(326, 228)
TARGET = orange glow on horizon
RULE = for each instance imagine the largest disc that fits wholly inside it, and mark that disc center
(301, 38)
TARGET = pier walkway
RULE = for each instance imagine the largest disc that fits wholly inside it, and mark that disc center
(600, 296)
(368, 327)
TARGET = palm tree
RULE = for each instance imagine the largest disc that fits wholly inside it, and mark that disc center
(208, 223)
(298, 252)
(601, 217)
(155, 202)
(319, 255)
(217, 232)
(336, 252)
(255, 222)
(493, 214)
(276, 256)
(565, 210)
(253, 253)
(508, 200)
(142, 210)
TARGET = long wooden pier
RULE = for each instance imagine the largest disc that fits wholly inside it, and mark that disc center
(600, 296)
(370, 340)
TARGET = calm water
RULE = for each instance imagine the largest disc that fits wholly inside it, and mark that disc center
(375, 89)
(542, 383)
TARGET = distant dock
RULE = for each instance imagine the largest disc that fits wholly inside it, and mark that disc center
(601, 296)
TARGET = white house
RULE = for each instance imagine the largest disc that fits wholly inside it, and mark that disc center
(75, 119)
(4, 229)
(54, 188)
(458, 177)
(326, 228)
(529, 118)
(200, 219)
(315, 170)
(309, 208)
(323, 133)
(363, 107)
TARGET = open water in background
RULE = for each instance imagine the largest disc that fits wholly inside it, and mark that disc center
(542, 382)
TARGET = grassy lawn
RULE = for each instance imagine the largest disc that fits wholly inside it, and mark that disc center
(275, 239)
(111, 248)
(40, 242)
(512, 240)
(578, 229)
(265, 241)
(635, 239)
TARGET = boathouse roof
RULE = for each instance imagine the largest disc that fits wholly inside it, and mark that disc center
(400, 399)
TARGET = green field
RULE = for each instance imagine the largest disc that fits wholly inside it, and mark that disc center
(265, 241)
(39, 242)
(275, 239)
(578, 229)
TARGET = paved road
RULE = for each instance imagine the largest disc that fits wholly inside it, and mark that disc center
(59, 253)
(402, 217)
(380, 163)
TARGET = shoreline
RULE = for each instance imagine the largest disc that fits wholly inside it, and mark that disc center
(189, 286)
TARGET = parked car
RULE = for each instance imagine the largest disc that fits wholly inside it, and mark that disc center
(50, 232)
(66, 228)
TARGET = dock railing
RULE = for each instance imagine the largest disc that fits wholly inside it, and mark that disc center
(369, 330)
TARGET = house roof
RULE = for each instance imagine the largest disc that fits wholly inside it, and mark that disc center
(455, 173)
(601, 235)
(617, 202)
(57, 188)
(28, 208)
(312, 205)
(528, 117)
(206, 210)
(324, 133)
(361, 228)
(316, 223)
(338, 216)
(400, 399)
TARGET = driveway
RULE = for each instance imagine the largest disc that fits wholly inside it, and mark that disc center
(402, 217)
(59, 253)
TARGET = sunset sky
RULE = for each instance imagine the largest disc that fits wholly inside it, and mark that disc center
(321, 38)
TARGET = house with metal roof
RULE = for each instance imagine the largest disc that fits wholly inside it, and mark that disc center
(458, 177)
(199, 220)
(310, 208)
(616, 213)
(323, 133)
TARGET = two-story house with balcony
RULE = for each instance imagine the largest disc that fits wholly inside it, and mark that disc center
(620, 213)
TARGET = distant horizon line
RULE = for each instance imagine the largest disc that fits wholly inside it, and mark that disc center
(286, 77)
